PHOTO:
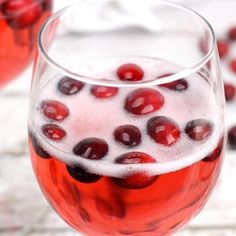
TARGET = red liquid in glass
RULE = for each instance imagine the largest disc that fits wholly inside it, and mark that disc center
(109, 209)
(141, 206)
(18, 37)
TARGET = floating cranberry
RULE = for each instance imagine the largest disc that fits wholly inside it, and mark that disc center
(104, 92)
(198, 129)
(232, 33)
(54, 110)
(233, 65)
(80, 174)
(91, 148)
(223, 48)
(130, 72)
(178, 85)
(54, 132)
(128, 135)
(232, 137)
(38, 149)
(143, 101)
(229, 91)
(21, 13)
(216, 152)
(69, 86)
(136, 180)
(163, 130)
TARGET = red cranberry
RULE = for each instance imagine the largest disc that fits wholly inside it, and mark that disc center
(54, 132)
(113, 207)
(91, 148)
(233, 65)
(232, 137)
(178, 85)
(136, 180)
(69, 86)
(163, 130)
(37, 147)
(130, 72)
(198, 129)
(143, 101)
(229, 91)
(104, 92)
(54, 110)
(128, 135)
(223, 48)
(232, 33)
(21, 13)
(80, 174)
(216, 152)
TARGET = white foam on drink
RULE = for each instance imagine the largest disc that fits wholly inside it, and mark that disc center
(93, 117)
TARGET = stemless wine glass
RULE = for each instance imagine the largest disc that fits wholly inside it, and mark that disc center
(20, 21)
(126, 126)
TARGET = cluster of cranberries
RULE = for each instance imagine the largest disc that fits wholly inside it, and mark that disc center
(139, 102)
(20, 14)
(230, 90)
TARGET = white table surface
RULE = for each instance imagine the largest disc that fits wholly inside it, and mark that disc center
(24, 211)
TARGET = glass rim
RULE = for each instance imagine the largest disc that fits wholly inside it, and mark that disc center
(103, 82)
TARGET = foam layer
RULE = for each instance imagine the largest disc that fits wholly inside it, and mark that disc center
(92, 117)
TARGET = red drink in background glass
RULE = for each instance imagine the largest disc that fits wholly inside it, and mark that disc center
(82, 138)
(20, 21)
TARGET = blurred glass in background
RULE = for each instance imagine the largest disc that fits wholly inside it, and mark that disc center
(20, 21)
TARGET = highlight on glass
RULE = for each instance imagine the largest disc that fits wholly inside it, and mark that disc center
(122, 135)
(20, 21)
